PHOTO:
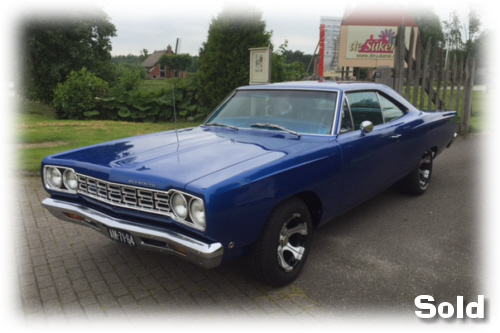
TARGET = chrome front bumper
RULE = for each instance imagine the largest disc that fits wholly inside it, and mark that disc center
(149, 238)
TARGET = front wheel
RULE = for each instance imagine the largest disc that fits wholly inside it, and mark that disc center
(418, 180)
(283, 246)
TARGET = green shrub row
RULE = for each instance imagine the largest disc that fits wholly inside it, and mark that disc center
(83, 96)
(150, 106)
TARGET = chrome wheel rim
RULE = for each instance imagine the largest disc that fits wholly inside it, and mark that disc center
(424, 170)
(291, 243)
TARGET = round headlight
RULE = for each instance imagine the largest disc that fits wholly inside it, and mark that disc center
(53, 177)
(197, 212)
(179, 205)
(70, 180)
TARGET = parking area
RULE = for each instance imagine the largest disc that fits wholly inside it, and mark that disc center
(373, 260)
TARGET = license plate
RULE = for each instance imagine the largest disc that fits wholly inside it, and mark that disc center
(121, 236)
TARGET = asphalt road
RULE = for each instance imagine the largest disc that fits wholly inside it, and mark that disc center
(370, 262)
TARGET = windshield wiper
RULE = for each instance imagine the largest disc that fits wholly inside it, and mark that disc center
(274, 126)
(221, 125)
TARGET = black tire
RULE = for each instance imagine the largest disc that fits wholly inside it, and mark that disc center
(288, 228)
(417, 182)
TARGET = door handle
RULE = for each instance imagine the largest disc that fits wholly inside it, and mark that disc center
(396, 137)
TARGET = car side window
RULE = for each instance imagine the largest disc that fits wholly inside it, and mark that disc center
(346, 124)
(390, 111)
(365, 106)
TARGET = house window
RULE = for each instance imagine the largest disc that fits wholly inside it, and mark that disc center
(162, 71)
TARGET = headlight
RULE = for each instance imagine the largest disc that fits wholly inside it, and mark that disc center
(53, 177)
(70, 180)
(61, 179)
(197, 212)
(179, 205)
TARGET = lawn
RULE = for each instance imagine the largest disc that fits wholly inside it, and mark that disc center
(39, 133)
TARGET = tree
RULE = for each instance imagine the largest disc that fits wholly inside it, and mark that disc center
(130, 75)
(224, 59)
(76, 97)
(452, 33)
(144, 55)
(126, 59)
(53, 47)
(429, 25)
(285, 69)
(298, 56)
(472, 30)
(176, 62)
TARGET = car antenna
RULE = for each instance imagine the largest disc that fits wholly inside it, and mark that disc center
(175, 115)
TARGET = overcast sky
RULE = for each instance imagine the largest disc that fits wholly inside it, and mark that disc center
(154, 24)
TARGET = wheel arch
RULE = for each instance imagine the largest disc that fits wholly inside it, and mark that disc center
(313, 203)
(434, 151)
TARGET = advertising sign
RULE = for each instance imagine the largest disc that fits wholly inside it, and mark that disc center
(260, 65)
(365, 42)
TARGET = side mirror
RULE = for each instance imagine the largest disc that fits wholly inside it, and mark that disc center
(366, 127)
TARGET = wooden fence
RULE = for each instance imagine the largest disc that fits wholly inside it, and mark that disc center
(448, 83)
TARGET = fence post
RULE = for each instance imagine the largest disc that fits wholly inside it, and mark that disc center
(459, 83)
(446, 74)
(467, 101)
(453, 81)
(439, 105)
(399, 58)
(430, 86)
(418, 65)
(424, 73)
(409, 75)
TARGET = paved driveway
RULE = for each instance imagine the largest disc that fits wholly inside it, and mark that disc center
(372, 261)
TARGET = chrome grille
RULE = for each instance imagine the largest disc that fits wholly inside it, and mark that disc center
(138, 198)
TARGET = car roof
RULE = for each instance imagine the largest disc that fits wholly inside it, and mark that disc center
(316, 85)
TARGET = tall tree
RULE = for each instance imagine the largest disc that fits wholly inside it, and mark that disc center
(452, 33)
(472, 32)
(429, 25)
(224, 59)
(53, 47)
(176, 62)
(144, 54)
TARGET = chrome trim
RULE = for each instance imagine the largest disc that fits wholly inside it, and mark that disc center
(63, 187)
(133, 197)
(207, 255)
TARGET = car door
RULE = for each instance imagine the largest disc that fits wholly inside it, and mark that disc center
(370, 160)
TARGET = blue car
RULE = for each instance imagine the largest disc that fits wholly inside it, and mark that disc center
(270, 165)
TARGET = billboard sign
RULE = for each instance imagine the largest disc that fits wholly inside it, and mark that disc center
(371, 43)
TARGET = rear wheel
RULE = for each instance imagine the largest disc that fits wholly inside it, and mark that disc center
(418, 180)
(283, 246)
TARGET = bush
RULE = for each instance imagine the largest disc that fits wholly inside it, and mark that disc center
(130, 76)
(76, 97)
(154, 106)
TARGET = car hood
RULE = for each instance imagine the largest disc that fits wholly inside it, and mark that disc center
(174, 159)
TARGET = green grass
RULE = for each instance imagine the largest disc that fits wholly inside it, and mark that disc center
(39, 134)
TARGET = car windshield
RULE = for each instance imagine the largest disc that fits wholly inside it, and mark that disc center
(297, 112)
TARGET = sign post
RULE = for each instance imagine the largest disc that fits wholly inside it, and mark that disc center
(321, 64)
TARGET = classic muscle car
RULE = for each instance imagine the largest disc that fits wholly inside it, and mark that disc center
(270, 165)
